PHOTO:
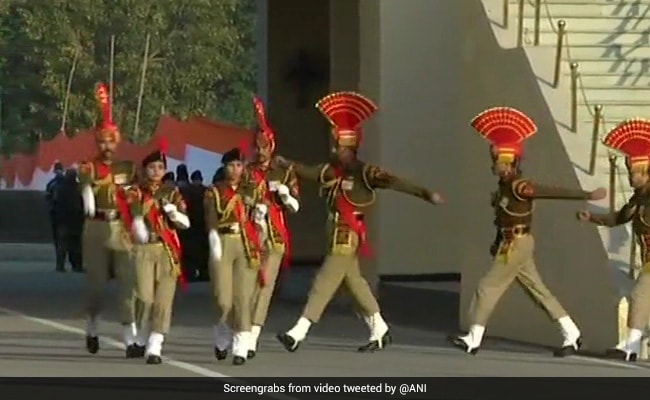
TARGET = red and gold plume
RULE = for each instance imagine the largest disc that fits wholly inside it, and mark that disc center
(506, 129)
(346, 111)
(266, 135)
(631, 137)
(107, 129)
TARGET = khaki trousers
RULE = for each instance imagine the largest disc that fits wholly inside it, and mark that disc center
(99, 259)
(155, 287)
(263, 294)
(233, 284)
(639, 311)
(519, 265)
(336, 270)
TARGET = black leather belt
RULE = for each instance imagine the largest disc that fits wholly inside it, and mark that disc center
(106, 215)
(512, 232)
(229, 229)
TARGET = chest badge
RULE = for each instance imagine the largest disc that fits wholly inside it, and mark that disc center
(119, 179)
(347, 184)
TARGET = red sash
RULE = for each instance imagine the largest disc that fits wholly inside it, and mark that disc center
(346, 211)
(240, 213)
(168, 236)
(276, 215)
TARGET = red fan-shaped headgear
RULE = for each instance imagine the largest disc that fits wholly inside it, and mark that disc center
(107, 129)
(506, 129)
(347, 111)
(631, 137)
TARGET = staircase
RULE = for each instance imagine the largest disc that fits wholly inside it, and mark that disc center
(610, 42)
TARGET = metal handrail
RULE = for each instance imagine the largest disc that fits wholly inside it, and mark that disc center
(595, 135)
(561, 26)
(612, 182)
(520, 24)
(574, 96)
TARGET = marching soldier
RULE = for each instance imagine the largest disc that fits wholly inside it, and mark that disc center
(277, 188)
(235, 253)
(105, 242)
(632, 137)
(506, 129)
(349, 186)
(156, 211)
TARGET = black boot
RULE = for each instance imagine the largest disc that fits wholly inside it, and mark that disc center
(289, 343)
(135, 351)
(220, 354)
(461, 344)
(237, 360)
(92, 344)
(622, 355)
(154, 360)
(377, 344)
(569, 350)
(251, 354)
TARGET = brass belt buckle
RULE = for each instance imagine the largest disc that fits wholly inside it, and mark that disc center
(110, 214)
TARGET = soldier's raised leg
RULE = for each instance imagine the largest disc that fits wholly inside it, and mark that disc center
(262, 298)
(161, 313)
(326, 283)
(529, 278)
(637, 320)
(366, 301)
(97, 259)
(513, 261)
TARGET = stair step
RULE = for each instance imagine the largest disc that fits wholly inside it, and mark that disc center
(633, 66)
(608, 24)
(615, 81)
(567, 9)
(609, 51)
(579, 38)
(635, 110)
(636, 95)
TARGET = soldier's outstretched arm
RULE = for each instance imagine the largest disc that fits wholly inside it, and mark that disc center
(318, 173)
(381, 179)
(210, 205)
(528, 189)
(620, 217)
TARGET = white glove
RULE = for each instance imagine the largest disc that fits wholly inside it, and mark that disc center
(287, 199)
(170, 208)
(215, 245)
(140, 231)
(273, 185)
(283, 190)
(89, 200)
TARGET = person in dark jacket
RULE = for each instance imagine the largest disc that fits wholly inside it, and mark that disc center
(218, 175)
(169, 178)
(51, 196)
(182, 176)
(196, 247)
(68, 217)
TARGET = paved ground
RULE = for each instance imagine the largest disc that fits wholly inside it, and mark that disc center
(41, 335)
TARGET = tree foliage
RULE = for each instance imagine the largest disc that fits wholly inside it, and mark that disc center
(200, 62)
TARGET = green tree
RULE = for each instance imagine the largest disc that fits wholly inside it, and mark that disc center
(200, 62)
